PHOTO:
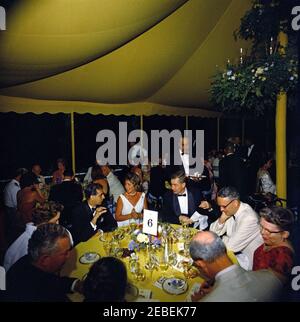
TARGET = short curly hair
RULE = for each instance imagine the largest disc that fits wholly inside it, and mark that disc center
(281, 217)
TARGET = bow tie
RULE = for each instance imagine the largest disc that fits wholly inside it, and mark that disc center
(182, 195)
(94, 209)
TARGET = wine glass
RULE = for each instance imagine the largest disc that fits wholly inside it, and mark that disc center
(132, 225)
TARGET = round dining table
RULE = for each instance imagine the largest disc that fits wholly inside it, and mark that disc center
(163, 283)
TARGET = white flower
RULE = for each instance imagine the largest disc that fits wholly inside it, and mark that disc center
(259, 71)
(233, 77)
(266, 68)
(229, 73)
(142, 238)
(291, 78)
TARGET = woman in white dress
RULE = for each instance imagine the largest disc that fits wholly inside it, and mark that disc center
(131, 204)
(264, 180)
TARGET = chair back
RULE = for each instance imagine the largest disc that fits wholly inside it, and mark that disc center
(2, 279)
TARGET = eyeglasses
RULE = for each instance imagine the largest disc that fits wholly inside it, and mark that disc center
(269, 231)
(224, 207)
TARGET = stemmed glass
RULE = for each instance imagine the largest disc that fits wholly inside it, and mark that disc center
(189, 271)
(135, 269)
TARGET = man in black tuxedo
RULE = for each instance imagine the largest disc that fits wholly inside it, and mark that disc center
(181, 202)
(232, 170)
(35, 277)
(69, 194)
(88, 217)
(182, 154)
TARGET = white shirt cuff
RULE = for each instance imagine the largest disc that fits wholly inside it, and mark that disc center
(73, 285)
(94, 226)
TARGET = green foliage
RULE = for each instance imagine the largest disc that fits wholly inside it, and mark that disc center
(252, 87)
(265, 20)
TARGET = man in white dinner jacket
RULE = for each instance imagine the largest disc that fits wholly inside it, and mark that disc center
(238, 226)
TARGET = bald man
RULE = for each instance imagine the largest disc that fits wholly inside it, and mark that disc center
(231, 283)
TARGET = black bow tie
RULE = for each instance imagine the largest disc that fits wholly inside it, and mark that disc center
(183, 195)
(94, 209)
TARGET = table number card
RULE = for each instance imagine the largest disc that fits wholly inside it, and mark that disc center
(150, 222)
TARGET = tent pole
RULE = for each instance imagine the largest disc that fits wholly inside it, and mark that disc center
(186, 122)
(73, 143)
(142, 128)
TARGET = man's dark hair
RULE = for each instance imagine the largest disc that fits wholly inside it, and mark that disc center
(91, 190)
(20, 172)
(229, 192)
(180, 175)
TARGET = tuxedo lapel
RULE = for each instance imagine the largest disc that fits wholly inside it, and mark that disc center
(88, 211)
(191, 203)
(176, 206)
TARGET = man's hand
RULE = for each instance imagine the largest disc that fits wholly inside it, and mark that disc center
(98, 212)
(205, 205)
(205, 289)
(184, 219)
(223, 218)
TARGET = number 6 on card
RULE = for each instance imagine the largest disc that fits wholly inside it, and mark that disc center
(150, 222)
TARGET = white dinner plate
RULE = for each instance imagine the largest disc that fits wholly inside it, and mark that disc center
(88, 258)
(175, 286)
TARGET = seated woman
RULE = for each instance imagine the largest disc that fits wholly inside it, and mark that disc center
(276, 252)
(131, 204)
(28, 196)
(106, 281)
(58, 175)
(264, 180)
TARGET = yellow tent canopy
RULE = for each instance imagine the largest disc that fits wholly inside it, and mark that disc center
(138, 57)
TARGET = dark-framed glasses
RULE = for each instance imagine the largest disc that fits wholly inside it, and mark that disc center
(224, 207)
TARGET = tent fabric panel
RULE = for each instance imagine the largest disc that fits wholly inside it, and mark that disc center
(26, 105)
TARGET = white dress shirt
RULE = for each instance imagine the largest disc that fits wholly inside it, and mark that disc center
(185, 162)
(250, 149)
(101, 219)
(183, 203)
(19, 247)
(115, 186)
(10, 193)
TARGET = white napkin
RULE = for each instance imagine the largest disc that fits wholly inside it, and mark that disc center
(199, 220)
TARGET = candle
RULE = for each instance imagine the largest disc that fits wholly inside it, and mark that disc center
(271, 46)
(241, 57)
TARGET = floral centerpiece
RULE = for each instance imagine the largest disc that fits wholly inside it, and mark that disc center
(253, 85)
(139, 240)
